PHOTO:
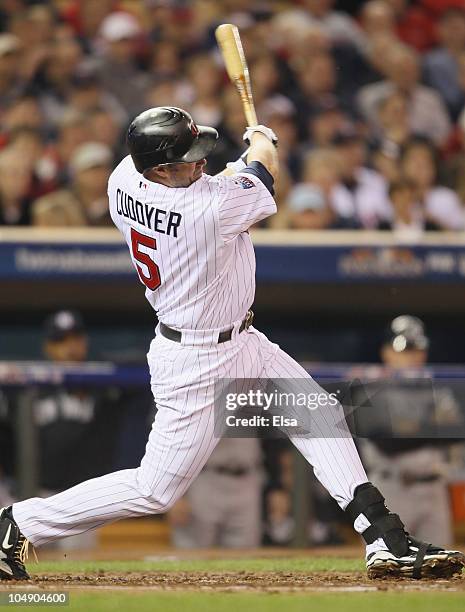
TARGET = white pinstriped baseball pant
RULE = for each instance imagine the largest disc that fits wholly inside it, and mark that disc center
(182, 439)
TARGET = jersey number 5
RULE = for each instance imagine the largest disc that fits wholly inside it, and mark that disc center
(152, 280)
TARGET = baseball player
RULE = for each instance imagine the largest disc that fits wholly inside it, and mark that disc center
(411, 467)
(187, 233)
(223, 506)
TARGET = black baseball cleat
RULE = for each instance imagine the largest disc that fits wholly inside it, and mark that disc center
(13, 548)
(421, 561)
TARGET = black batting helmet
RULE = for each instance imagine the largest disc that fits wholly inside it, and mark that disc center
(168, 135)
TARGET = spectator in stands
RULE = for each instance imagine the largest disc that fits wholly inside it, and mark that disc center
(24, 111)
(54, 79)
(256, 35)
(73, 131)
(376, 57)
(378, 23)
(326, 121)
(321, 202)
(265, 77)
(317, 84)
(393, 119)
(166, 60)
(28, 143)
(65, 73)
(34, 27)
(292, 32)
(106, 130)
(409, 219)
(385, 160)
(161, 18)
(377, 17)
(441, 205)
(230, 145)
(86, 201)
(86, 16)
(339, 26)
(15, 180)
(205, 78)
(87, 94)
(119, 72)
(427, 112)
(363, 188)
(10, 61)
(415, 25)
(440, 66)
(169, 91)
(314, 37)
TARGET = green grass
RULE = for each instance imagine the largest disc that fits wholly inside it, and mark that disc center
(316, 564)
(257, 602)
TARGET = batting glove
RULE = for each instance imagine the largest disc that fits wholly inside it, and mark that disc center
(266, 131)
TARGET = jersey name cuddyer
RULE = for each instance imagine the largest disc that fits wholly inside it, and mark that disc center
(190, 246)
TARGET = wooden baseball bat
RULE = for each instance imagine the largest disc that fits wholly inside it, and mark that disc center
(229, 41)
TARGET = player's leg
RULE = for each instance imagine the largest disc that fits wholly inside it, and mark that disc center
(178, 446)
(181, 440)
(330, 449)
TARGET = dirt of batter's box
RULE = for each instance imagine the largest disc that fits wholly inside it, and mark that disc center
(244, 581)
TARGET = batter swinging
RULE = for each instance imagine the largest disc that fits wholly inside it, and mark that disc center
(187, 233)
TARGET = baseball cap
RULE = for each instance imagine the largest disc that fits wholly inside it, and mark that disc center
(405, 333)
(90, 155)
(119, 26)
(9, 43)
(62, 323)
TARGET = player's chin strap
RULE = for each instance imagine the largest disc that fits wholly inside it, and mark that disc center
(369, 502)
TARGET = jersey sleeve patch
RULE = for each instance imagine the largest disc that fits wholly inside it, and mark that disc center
(244, 182)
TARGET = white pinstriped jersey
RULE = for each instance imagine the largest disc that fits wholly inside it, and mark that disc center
(190, 246)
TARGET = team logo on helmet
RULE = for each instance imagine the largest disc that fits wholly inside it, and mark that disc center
(194, 129)
(166, 143)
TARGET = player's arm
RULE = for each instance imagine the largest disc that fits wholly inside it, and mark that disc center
(235, 166)
(247, 197)
(260, 159)
(262, 149)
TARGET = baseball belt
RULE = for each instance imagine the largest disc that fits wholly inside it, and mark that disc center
(224, 336)
(406, 478)
(229, 471)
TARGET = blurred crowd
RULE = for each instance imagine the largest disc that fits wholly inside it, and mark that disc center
(369, 106)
